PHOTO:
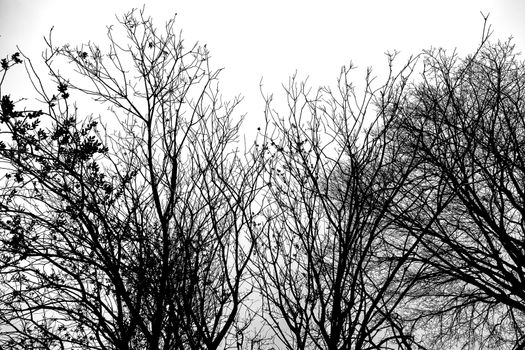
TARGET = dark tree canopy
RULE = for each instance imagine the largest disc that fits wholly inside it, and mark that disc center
(131, 230)
(327, 278)
(386, 218)
(464, 126)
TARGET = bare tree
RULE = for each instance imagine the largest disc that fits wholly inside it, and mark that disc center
(126, 231)
(464, 124)
(325, 270)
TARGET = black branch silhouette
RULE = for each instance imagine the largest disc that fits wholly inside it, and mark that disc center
(387, 214)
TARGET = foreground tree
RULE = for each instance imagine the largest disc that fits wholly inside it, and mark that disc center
(126, 232)
(327, 277)
(464, 124)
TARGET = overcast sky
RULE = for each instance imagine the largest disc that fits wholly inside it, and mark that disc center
(272, 39)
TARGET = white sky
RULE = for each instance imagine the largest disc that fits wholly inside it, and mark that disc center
(272, 39)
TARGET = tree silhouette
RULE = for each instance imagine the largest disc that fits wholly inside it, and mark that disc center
(463, 125)
(127, 231)
(390, 218)
(327, 277)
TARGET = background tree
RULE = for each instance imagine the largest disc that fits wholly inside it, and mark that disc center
(464, 124)
(327, 277)
(125, 231)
